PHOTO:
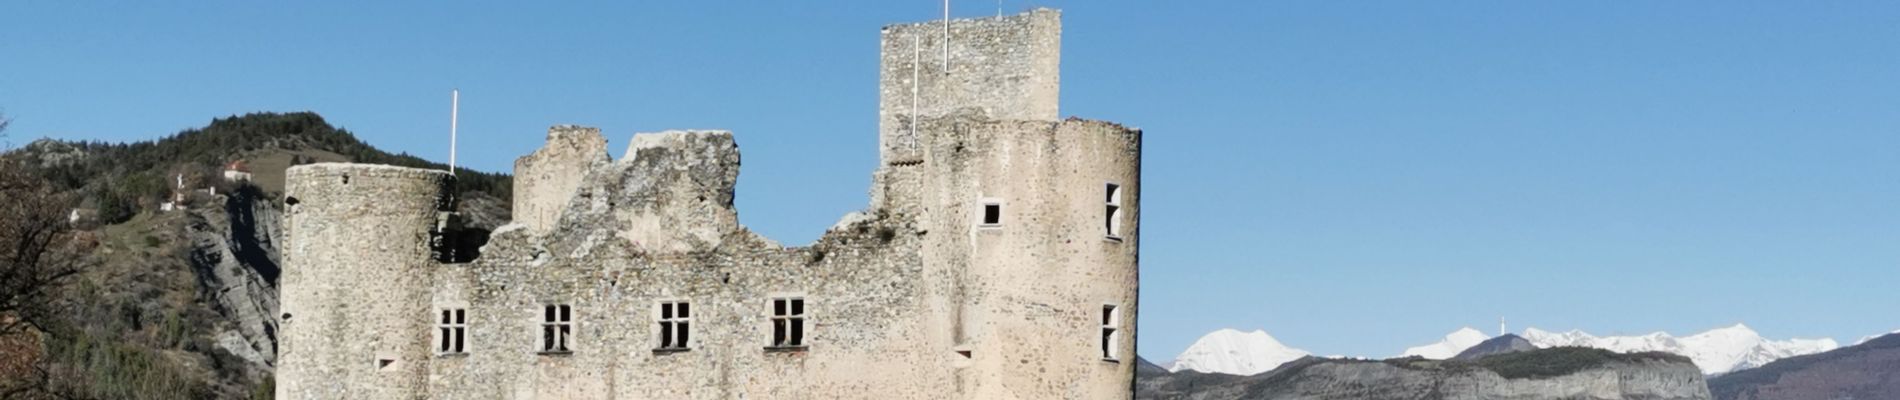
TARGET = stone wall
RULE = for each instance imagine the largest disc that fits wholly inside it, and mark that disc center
(1026, 295)
(357, 280)
(659, 225)
(1004, 67)
(546, 180)
(912, 298)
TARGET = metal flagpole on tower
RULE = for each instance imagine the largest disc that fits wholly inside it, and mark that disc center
(455, 108)
(946, 36)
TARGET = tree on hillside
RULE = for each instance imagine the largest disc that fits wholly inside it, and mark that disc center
(38, 255)
(37, 249)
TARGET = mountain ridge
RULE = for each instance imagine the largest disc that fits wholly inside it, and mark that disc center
(1715, 351)
(1867, 370)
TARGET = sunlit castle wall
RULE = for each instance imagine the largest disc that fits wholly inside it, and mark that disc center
(361, 251)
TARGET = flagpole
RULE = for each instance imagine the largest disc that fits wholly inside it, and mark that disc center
(455, 108)
(946, 36)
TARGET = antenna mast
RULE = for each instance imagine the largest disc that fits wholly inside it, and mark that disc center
(455, 108)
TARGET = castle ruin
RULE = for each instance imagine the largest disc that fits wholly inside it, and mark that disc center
(997, 258)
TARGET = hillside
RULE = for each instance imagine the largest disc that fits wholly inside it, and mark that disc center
(183, 303)
(1869, 370)
(121, 179)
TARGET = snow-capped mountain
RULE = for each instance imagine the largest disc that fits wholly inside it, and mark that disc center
(1450, 346)
(1716, 351)
(1872, 337)
(1229, 351)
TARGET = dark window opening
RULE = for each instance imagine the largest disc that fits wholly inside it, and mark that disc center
(1111, 332)
(452, 332)
(1113, 217)
(675, 325)
(557, 328)
(992, 213)
(788, 322)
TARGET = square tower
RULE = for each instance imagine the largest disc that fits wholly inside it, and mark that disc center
(1005, 68)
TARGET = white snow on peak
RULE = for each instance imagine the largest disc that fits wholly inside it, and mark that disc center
(1872, 337)
(1233, 352)
(1716, 351)
(1450, 346)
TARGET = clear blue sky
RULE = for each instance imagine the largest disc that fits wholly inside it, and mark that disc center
(1354, 177)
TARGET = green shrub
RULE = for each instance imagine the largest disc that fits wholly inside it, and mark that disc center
(1559, 361)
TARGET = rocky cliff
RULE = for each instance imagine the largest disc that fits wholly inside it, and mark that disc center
(234, 255)
(1563, 373)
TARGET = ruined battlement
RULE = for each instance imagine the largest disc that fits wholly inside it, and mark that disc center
(997, 258)
(545, 180)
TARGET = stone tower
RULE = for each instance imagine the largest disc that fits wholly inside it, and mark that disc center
(1027, 216)
(362, 247)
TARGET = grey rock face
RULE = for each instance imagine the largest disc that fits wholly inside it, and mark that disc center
(235, 256)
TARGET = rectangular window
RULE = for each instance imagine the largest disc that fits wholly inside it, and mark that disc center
(1111, 332)
(788, 322)
(992, 213)
(452, 330)
(675, 325)
(1114, 214)
(557, 327)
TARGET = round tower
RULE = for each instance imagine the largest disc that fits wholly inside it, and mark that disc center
(1034, 236)
(361, 246)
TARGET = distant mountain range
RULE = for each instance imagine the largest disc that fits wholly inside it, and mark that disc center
(1715, 352)
(1556, 373)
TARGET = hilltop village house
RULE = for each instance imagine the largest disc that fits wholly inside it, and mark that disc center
(996, 259)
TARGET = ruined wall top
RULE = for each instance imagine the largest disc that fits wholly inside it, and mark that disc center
(1005, 67)
(546, 179)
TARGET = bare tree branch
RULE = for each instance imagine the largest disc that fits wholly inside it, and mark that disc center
(37, 250)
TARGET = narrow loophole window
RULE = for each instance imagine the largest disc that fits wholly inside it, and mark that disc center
(1112, 218)
(1111, 332)
(992, 214)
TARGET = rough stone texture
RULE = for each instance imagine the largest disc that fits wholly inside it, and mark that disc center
(1003, 67)
(907, 299)
(1319, 379)
(357, 280)
(545, 180)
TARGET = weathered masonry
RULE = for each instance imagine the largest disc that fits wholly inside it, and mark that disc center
(996, 259)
